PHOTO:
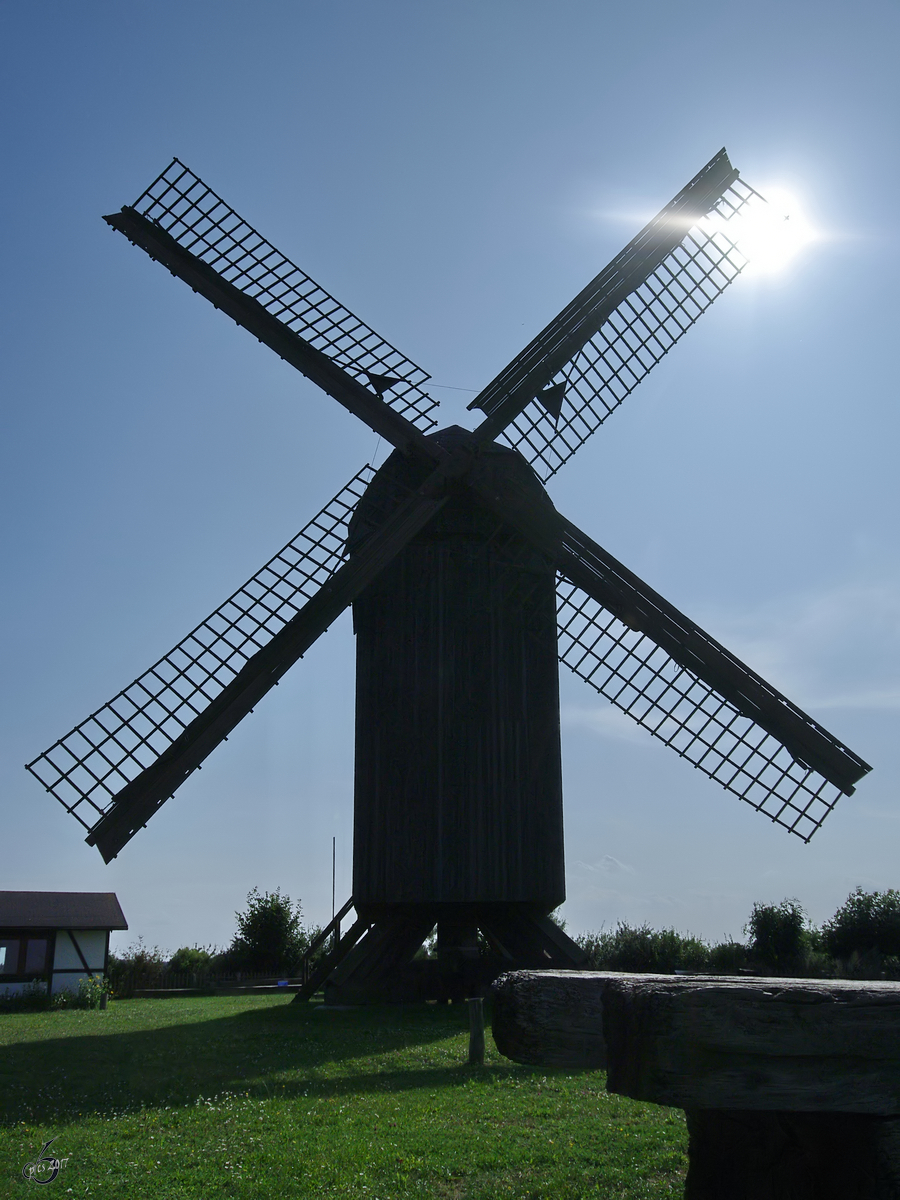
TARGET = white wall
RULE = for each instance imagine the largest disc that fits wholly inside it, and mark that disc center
(68, 969)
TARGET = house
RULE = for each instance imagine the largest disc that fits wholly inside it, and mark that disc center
(58, 937)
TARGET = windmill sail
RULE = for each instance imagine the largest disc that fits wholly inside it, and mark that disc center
(201, 222)
(630, 670)
(564, 385)
(104, 753)
(664, 671)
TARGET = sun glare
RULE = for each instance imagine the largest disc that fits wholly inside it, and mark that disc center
(770, 232)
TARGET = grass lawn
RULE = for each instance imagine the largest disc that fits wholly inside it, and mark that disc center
(257, 1097)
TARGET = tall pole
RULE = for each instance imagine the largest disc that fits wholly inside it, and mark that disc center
(332, 876)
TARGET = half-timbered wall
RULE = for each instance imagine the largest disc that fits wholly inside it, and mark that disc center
(79, 953)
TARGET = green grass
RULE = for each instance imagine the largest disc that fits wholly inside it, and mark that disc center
(257, 1097)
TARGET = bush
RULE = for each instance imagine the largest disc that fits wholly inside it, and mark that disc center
(32, 998)
(192, 960)
(644, 949)
(866, 923)
(138, 966)
(778, 935)
(861, 941)
(88, 994)
(727, 958)
(270, 937)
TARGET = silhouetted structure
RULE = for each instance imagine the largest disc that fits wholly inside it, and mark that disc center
(466, 585)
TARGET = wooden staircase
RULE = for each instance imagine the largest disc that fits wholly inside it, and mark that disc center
(313, 977)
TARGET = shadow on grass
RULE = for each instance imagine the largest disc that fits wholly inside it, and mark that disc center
(285, 1050)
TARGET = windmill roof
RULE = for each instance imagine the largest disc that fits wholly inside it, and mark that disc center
(61, 910)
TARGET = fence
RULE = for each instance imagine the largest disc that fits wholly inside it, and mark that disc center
(127, 980)
(130, 983)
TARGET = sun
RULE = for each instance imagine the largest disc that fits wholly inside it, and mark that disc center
(769, 231)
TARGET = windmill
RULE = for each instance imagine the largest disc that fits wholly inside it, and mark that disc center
(467, 588)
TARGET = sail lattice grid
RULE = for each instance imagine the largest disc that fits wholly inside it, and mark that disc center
(203, 223)
(630, 670)
(86, 768)
(635, 337)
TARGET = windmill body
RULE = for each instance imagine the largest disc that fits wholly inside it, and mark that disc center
(458, 819)
(467, 586)
(458, 783)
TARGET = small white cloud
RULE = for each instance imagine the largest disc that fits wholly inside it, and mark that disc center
(606, 866)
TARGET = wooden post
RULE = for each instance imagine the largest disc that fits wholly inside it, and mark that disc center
(476, 1031)
(336, 936)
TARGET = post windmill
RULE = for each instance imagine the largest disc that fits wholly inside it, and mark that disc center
(467, 588)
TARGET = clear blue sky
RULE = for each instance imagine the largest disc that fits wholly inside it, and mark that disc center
(454, 172)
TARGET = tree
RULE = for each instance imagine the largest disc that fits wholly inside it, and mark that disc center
(270, 936)
(865, 922)
(194, 960)
(778, 935)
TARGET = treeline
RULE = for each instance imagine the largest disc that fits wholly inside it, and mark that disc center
(861, 941)
(270, 939)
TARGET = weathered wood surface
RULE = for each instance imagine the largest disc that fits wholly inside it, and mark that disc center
(706, 1042)
(737, 1155)
(794, 1045)
(550, 1018)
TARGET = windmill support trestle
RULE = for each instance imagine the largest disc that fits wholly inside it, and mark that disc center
(378, 960)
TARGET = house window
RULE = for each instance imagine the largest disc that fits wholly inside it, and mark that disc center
(24, 955)
(9, 956)
(36, 956)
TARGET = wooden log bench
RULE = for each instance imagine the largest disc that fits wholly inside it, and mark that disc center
(791, 1087)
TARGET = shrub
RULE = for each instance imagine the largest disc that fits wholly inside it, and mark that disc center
(32, 998)
(428, 949)
(629, 948)
(778, 935)
(88, 994)
(866, 922)
(138, 966)
(270, 936)
(727, 958)
(193, 960)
